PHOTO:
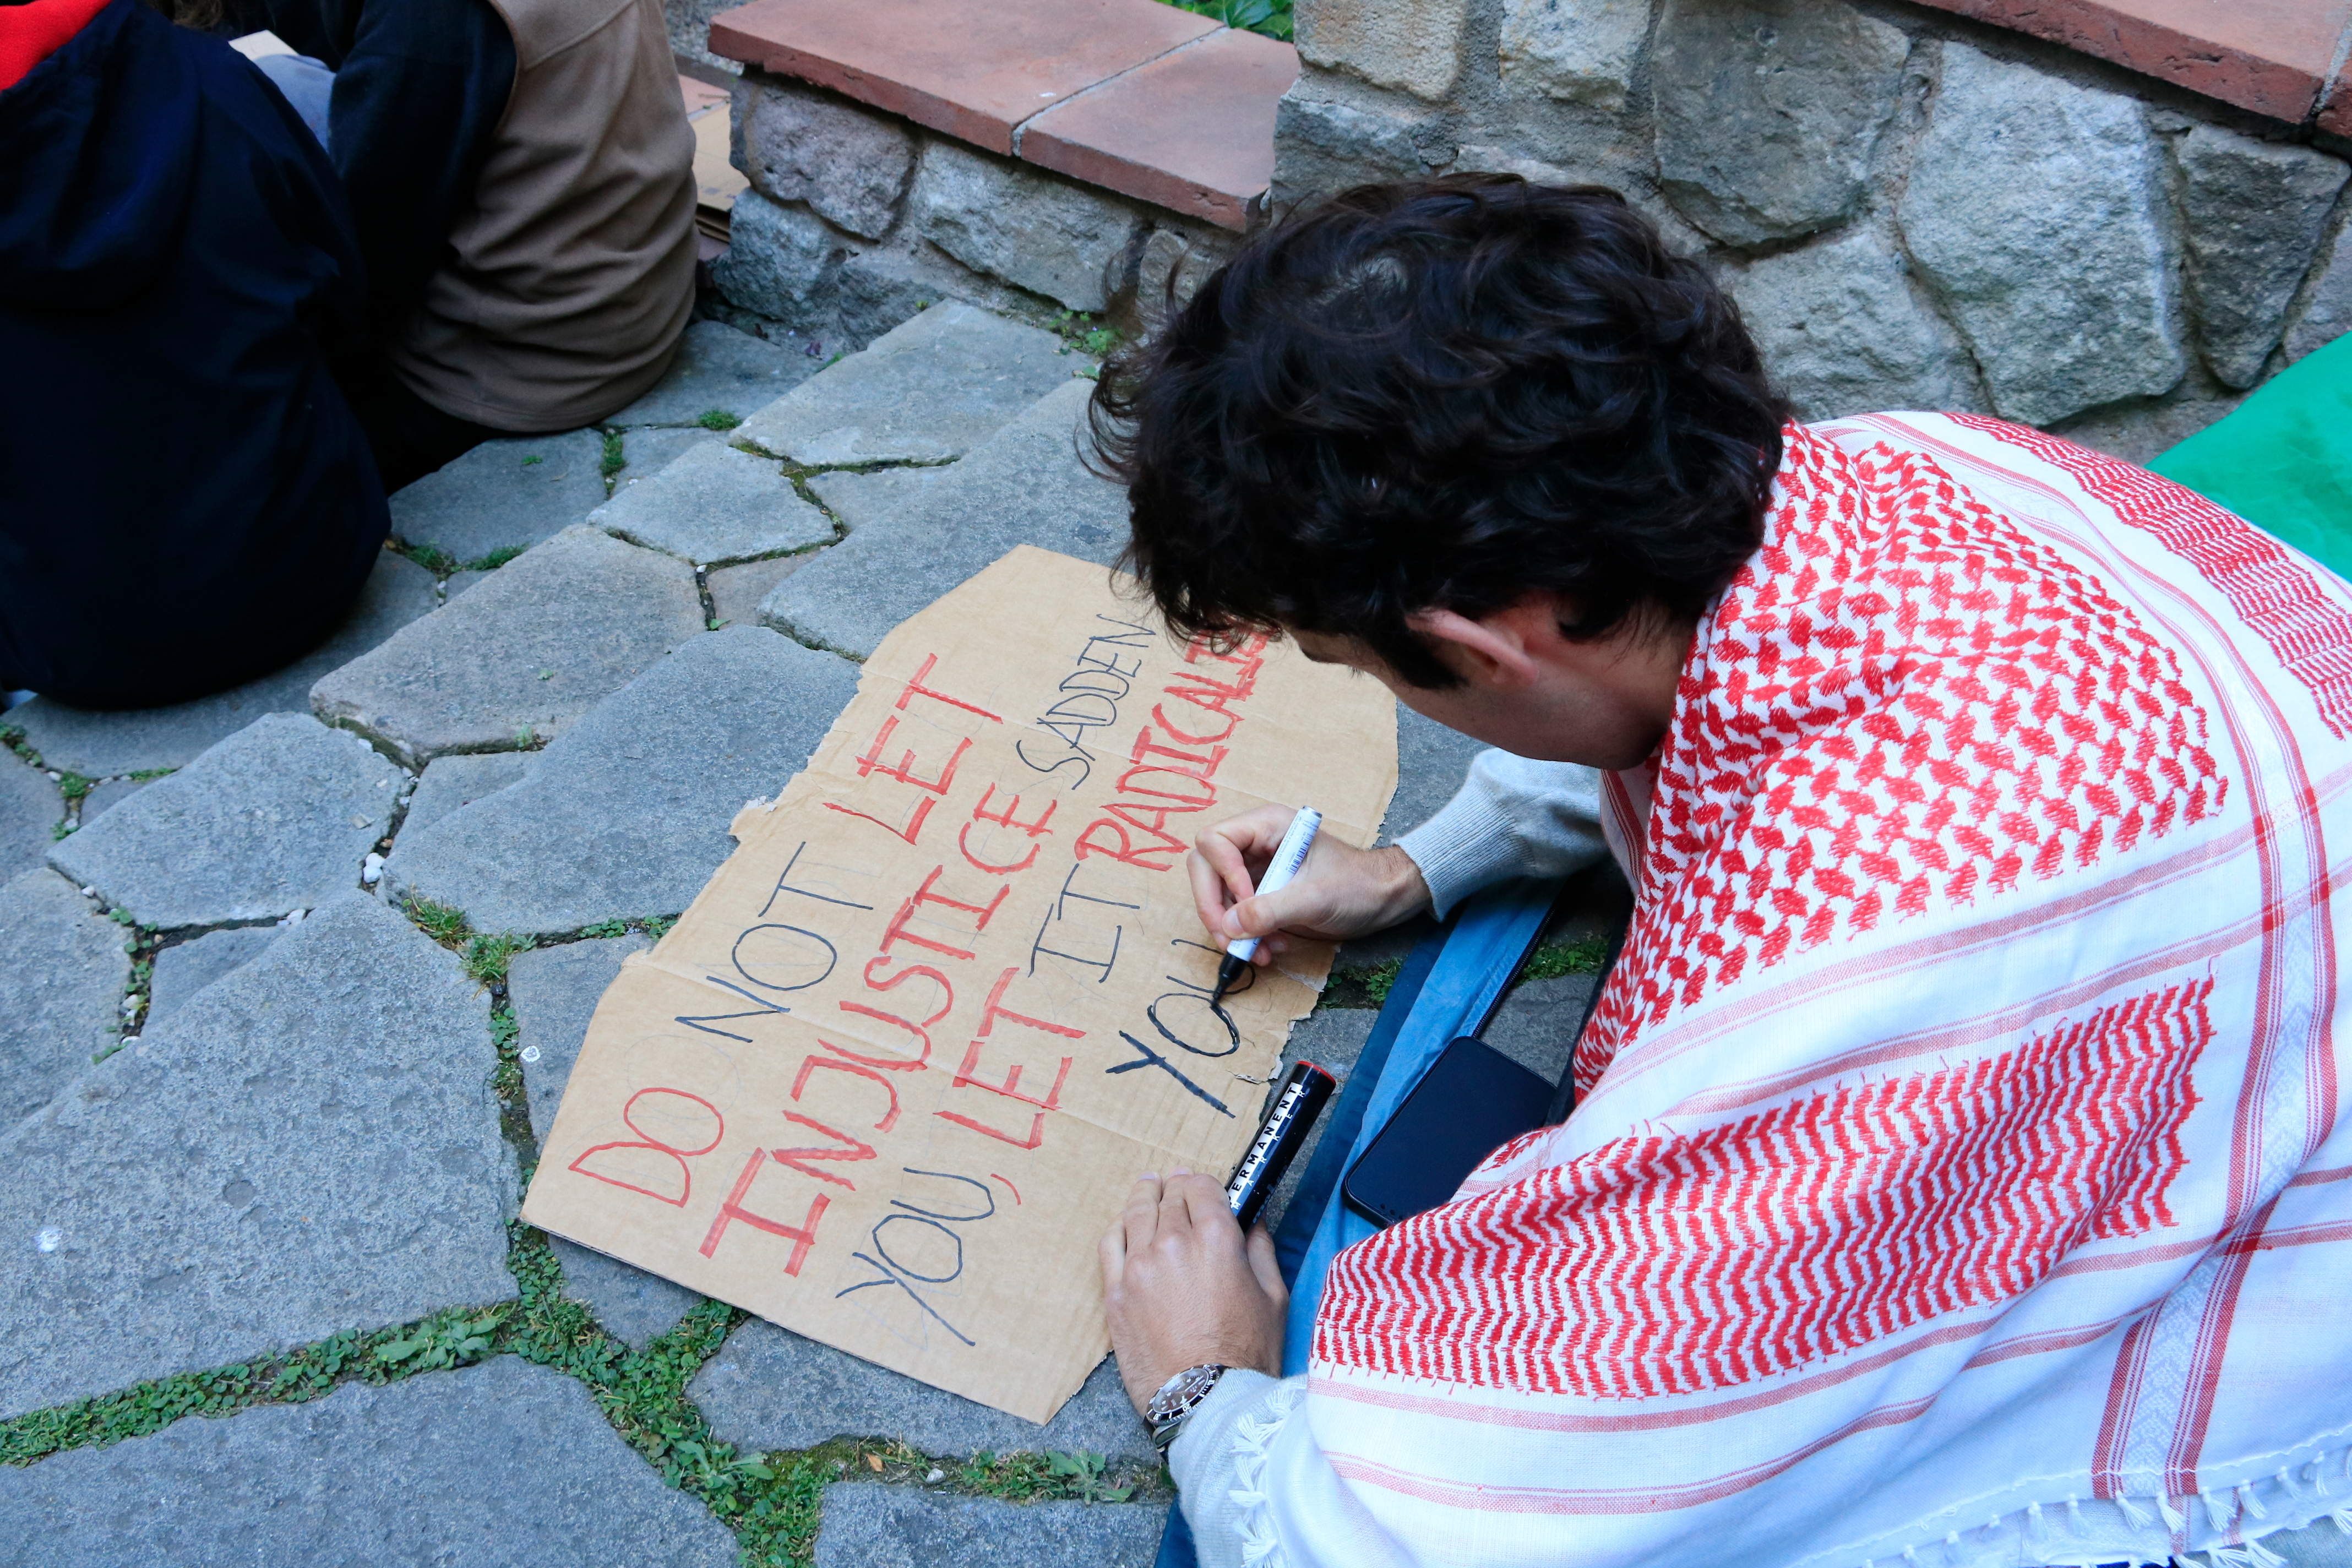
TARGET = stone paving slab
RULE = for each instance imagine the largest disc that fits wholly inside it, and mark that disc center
(506, 494)
(1536, 1026)
(626, 814)
(868, 1525)
(503, 1465)
(735, 591)
(633, 1305)
(62, 970)
(770, 1388)
(530, 648)
(718, 367)
(30, 810)
(104, 745)
(2322, 1543)
(1027, 486)
(276, 818)
(650, 450)
(450, 782)
(309, 1145)
(858, 499)
(104, 797)
(185, 968)
(930, 388)
(715, 504)
(555, 991)
(1432, 762)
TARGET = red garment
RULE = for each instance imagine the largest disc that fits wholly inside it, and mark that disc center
(31, 33)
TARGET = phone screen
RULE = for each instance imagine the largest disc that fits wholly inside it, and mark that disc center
(1470, 1101)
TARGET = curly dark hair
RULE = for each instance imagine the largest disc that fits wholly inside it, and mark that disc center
(1442, 394)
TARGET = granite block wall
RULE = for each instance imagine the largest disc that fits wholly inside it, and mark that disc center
(1913, 210)
(856, 216)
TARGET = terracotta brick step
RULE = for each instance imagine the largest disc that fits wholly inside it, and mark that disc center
(1132, 95)
(2279, 58)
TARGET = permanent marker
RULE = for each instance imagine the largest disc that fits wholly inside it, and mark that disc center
(1289, 856)
(1304, 1089)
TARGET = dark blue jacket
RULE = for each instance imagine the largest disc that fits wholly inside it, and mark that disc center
(186, 499)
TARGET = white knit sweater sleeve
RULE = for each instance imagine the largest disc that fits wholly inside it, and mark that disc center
(1512, 817)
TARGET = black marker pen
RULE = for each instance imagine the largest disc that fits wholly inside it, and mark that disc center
(1289, 856)
(1305, 1089)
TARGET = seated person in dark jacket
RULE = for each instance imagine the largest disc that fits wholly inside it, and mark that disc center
(522, 176)
(186, 500)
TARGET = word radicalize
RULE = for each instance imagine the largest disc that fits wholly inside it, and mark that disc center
(890, 1076)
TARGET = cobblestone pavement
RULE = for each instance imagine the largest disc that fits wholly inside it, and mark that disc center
(291, 977)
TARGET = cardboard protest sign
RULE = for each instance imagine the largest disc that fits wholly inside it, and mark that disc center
(890, 1078)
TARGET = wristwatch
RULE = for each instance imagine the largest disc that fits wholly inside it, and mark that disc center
(1178, 1398)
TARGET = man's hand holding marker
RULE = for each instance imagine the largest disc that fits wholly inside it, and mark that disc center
(1338, 891)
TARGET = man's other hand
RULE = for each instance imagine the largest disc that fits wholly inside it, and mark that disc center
(1184, 1289)
(1342, 891)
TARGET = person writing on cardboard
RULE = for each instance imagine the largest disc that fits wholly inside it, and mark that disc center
(523, 176)
(1958, 1173)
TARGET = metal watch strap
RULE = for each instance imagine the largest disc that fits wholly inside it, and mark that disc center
(1177, 1398)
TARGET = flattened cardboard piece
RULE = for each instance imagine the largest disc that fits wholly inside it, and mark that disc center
(890, 1078)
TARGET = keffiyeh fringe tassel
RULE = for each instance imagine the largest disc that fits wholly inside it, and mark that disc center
(1261, 1547)
(2228, 1511)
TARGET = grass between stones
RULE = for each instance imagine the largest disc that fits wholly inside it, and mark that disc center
(1369, 984)
(1080, 331)
(1272, 17)
(75, 787)
(1583, 956)
(142, 944)
(770, 1501)
(1361, 984)
(441, 563)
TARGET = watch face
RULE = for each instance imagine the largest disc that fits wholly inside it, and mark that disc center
(1187, 1389)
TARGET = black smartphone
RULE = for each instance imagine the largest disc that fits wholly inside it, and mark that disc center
(1470, 1101)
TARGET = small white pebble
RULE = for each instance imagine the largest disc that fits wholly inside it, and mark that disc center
(529, 1053)
(56, 774)
(49, 1240)
(371, 869)
(934, 1477)
(89, 892)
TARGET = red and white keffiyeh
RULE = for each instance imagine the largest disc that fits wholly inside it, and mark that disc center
(1958, 1176)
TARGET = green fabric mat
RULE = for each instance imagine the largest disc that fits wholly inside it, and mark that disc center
(2283, 460)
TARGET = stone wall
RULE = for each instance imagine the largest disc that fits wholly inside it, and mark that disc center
(857, 217)
(1913, 210)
